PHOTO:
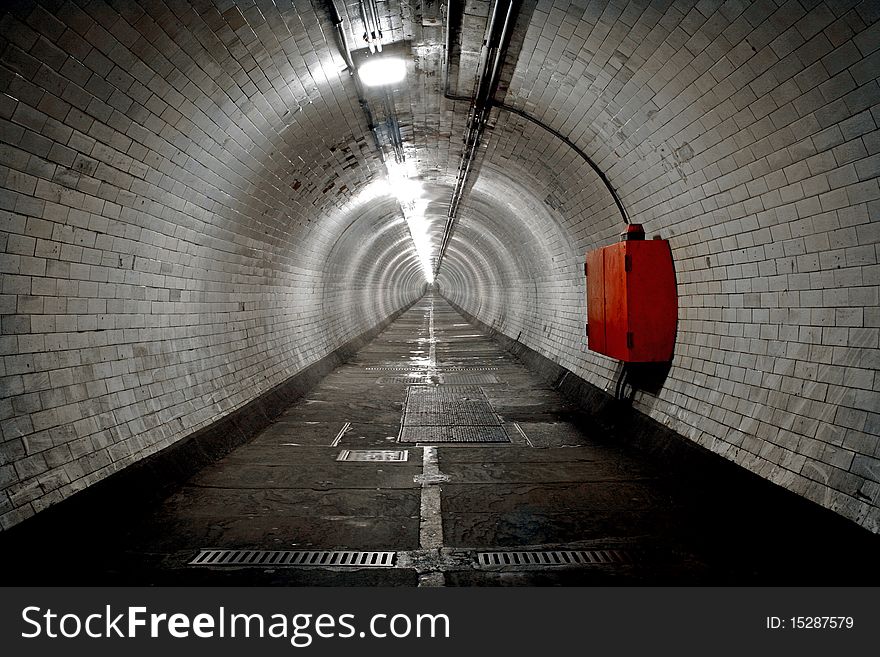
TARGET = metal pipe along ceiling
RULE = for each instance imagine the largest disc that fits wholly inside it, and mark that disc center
(491, 59)
(490, 103)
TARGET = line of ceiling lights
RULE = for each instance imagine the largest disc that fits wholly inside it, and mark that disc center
(380, 73)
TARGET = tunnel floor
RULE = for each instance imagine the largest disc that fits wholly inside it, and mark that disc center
(544, 498)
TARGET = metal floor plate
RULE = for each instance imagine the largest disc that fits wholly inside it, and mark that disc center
(453, 434)
(295, 558)
(373, 455)
(450, 416)
(417, 405)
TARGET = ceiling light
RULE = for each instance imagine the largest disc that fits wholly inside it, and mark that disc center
(381, 71)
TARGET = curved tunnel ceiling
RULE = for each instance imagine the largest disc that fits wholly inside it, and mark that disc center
(206, 174)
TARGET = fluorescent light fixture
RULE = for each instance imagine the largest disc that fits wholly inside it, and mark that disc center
(379, 71)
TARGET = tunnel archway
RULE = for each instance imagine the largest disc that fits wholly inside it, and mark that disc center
(184, 223)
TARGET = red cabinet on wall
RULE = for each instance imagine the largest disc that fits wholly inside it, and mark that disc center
(632, 305)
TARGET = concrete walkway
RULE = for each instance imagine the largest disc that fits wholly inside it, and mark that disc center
(548, 484)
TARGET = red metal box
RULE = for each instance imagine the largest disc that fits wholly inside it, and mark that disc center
(632, 305)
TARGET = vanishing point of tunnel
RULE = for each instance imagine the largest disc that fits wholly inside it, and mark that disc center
(423, 292)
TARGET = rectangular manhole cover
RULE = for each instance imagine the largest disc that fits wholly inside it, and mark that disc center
(370, 455)
(544, 558)
(449, 434)
(294, 558)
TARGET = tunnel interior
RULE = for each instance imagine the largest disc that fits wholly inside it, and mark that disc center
(228, 258)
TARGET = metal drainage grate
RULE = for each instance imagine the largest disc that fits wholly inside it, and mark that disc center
(551, 558)
(371, 455)
(445, 392)
(390, 346)
(453, 435)
(463, 368)
(402, 368)
(295, 558)
(422, 378)
(456, 377)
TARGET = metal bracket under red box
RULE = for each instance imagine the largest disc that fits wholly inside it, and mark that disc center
(632, 304)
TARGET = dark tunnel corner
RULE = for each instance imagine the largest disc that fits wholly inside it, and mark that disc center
(107, 508)
(732, 494)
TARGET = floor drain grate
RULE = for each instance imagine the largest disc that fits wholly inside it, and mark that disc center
(460, 377)
(456, 368)
(551, 558)
(391, 369)
(295, 558)
(421, 378)
(372, 455)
